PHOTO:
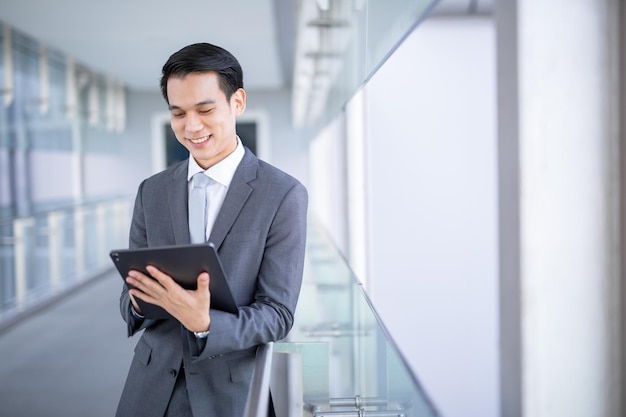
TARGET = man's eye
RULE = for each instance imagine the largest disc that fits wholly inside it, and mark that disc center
(205, 111)
(178, 115)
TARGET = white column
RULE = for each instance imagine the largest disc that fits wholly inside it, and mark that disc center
(566, 106)
(103, 231)
(22, 233)
(55, 247)
(327, 188)
(79, 242)
(7, 50)
(356, 177)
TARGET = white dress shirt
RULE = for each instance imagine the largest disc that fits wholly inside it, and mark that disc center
(221, 174)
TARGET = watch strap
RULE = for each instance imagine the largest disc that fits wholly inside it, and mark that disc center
(201, 335)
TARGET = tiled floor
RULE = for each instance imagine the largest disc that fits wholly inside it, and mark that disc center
(68, 360)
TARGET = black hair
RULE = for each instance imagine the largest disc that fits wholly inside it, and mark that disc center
(204, 57)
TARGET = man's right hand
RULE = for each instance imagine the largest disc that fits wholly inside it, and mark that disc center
(189, 307)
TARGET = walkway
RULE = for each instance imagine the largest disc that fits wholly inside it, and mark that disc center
(68, 360)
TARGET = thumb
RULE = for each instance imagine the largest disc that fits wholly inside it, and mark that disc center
(203, 281)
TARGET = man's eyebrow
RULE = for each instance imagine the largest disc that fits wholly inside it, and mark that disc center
(202, 103)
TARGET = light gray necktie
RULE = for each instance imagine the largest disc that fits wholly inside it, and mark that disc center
(198, 207)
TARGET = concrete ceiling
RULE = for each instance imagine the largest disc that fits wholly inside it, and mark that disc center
(129, 40)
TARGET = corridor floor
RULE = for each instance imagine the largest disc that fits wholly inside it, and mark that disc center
(70, 359)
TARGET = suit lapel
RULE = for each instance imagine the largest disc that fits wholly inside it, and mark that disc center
(177, 195)
(236, 196)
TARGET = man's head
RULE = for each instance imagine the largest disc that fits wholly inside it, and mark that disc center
(202, 85)
(204, 57)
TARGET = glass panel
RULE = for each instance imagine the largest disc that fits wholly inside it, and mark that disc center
(349, 364)
(340, 47)
(48, 242)
(48, 252)
(388, 22)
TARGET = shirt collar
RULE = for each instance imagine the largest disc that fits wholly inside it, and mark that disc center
(224, 170)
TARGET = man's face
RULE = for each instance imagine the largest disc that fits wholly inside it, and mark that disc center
(202, 119)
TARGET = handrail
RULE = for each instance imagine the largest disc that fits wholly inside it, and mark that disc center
(258, 396)
(65, 206)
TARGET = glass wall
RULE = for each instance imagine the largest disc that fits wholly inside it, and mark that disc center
(340, 45)
(343, 361)
(54, 116)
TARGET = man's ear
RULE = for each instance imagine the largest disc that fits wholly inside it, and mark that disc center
(238, 101)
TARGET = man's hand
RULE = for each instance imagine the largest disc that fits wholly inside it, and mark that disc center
(190, 307)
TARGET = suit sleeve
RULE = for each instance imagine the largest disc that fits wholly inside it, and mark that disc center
(270, 316)
(137, 239)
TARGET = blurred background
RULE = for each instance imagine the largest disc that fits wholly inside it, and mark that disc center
(465, 169)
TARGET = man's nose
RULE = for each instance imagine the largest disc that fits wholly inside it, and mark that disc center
(193, 123)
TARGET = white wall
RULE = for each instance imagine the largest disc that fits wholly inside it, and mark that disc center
(288, 148)
(432, 207)
(327, 191)
(136, 139)
(103, 174)
(56, 184)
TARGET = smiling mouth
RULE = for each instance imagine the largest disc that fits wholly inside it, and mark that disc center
(199, 141)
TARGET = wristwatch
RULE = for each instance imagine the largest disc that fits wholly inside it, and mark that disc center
(201, 335)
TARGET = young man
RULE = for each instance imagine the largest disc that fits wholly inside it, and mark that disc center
(201, 362)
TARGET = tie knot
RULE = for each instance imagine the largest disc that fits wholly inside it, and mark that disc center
(200, 180)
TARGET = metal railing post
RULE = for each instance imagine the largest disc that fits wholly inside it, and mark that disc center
(258, 397)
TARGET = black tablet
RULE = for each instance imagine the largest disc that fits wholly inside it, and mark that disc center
(183, 263)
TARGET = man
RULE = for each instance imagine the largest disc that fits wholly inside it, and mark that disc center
(201, 362)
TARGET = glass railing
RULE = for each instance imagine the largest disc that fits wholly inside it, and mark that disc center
(344, 363)
(46, 253)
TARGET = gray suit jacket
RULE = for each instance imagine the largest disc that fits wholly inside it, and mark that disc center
(260, 233)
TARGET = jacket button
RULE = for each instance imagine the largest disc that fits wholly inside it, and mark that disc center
(173, 372)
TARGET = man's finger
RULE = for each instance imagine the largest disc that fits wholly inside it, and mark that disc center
(144, 297)
(138, 280)
(203, 282)
(163, 279)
